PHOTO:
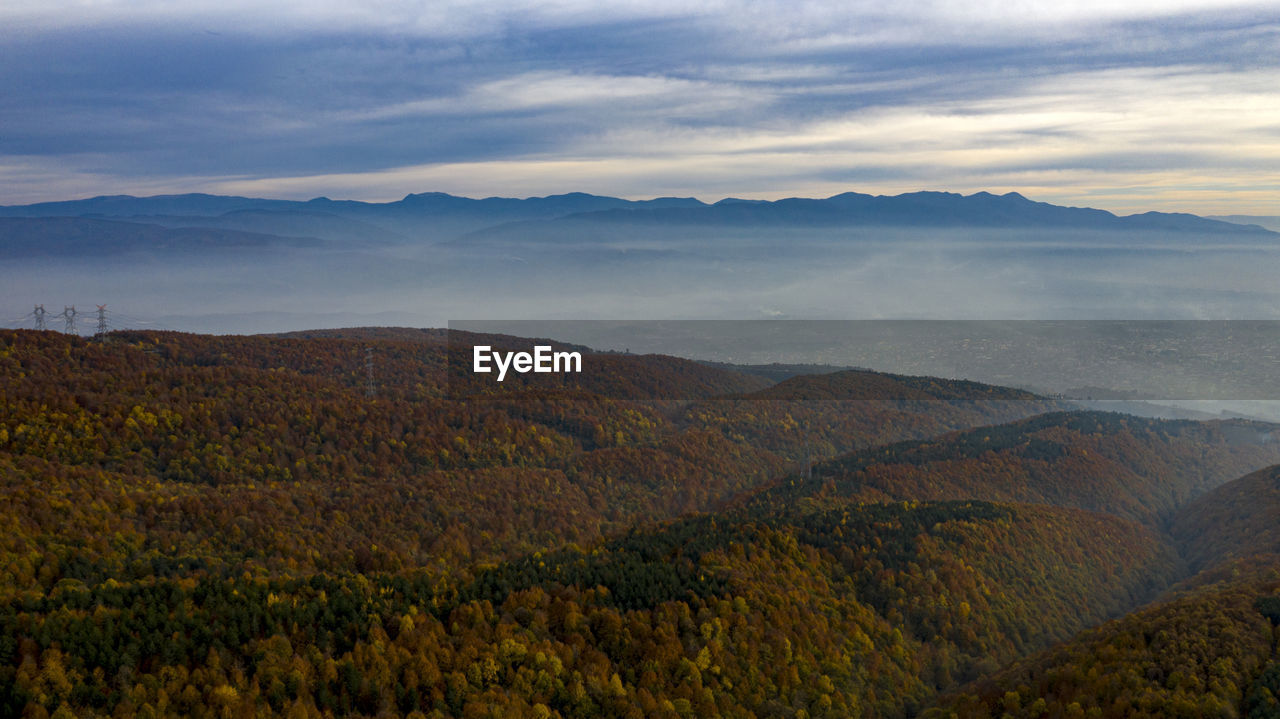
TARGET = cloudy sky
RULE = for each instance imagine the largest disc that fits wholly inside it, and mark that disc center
(1136, 106)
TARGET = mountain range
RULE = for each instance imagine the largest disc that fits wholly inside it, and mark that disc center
(432, 218)
(243, 264)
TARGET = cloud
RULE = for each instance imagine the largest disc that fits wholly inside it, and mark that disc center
(546, 91)
(420, 18)
(1163, 103)
(810, 23)
(1090, 132)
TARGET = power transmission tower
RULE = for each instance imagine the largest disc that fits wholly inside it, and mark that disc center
(101, 334)
(69, 314)
(39, 313)
(369, 388)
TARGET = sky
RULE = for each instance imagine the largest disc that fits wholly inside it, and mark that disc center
(1130, 107)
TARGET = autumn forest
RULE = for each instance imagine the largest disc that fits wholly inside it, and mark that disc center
(244, 526)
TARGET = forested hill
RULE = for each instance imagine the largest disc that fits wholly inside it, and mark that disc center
(275, 432)
(1237, 520)
(867, 385)
(1138, 468)
(1207, 648)
(1207, 653)
(228, 526)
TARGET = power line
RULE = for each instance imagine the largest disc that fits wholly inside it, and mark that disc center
(105, 322)
(122, 320)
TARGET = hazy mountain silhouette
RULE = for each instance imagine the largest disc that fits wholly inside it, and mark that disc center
(431, 216)
(286, 223)
(236, 263)
(435, 217)
(916, 209)
(1270, 222)
(72, 237)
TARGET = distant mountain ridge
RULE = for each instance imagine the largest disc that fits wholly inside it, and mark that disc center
(1270, 222)
(200, 204)
(915, 209)
(439, 217)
